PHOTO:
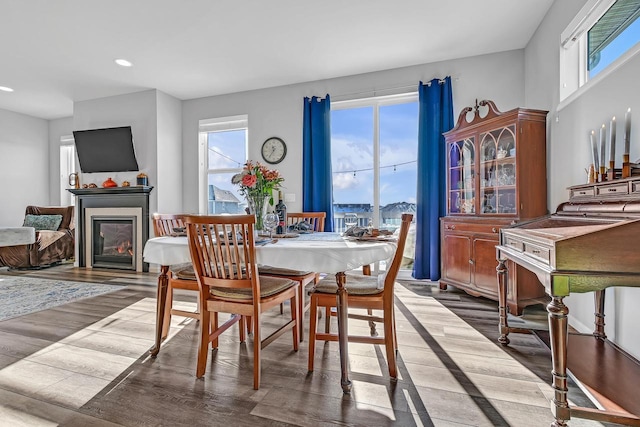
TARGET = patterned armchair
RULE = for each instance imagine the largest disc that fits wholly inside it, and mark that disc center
(51, 246)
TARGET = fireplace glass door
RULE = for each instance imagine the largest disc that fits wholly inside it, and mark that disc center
(114, 242)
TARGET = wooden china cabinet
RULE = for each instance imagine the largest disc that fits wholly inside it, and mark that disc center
(496, 177)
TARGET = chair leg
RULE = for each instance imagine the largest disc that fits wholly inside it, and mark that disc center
(389, 344)
(395, 335)
(166, 324)
(257, 347)
(214, 327)
(313, 319)
(297, 321)
(242, 326)
(372, 324)
(327, 319)
(203, 346)
(301, 300)
(249, 325)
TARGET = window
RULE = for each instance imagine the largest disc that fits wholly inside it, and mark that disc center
(374, 151)
(603, 36)
(223, 153)
(67, 167)
(614, 33)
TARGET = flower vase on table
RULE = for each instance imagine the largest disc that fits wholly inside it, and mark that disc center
(258, 206)
(257, 184)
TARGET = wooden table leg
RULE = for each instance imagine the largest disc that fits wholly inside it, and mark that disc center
(558, 336)
(163, 283)
(502, 301)
(343, 331)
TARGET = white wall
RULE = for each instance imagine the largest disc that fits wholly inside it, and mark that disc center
(57, 129)
(278, 111)
(569, 152)
(137, 110)
(24, 165)
(169, 154)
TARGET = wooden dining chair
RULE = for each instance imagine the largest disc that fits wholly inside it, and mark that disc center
(315, 221)
(223, 253)
(180, 276)
(364, 292)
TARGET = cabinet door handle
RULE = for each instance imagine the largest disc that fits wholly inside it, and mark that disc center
(494, 230)
(471, 262)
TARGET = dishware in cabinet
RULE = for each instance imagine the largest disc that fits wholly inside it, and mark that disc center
(496, 176)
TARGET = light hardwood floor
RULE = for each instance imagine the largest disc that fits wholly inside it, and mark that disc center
(85, 364)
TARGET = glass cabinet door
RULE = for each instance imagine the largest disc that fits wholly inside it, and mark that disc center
(461, 160)
(498, 171)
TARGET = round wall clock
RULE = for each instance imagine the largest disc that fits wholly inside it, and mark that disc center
(273, 150)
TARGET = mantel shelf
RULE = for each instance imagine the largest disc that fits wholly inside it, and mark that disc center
(113, 190)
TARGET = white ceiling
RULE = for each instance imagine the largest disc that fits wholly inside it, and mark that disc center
(55, 52)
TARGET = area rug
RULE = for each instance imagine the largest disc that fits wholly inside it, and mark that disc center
(24, 295)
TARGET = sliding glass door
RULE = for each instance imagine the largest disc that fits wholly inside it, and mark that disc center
(374, 147)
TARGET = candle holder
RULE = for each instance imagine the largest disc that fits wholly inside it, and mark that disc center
(590, 174)
(626, 167)
(611, 173)
(603, 174)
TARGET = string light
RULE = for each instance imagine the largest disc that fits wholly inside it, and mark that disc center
(225, 156)
(381, 167)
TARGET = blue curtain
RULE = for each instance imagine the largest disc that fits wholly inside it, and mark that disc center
(317, 188)
(434, 118)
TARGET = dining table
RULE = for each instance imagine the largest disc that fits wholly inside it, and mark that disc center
(322, 252)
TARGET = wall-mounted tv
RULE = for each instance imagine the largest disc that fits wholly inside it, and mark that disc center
(106, 150)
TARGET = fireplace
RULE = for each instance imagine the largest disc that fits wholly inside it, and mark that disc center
(113, 238)
(113, 226)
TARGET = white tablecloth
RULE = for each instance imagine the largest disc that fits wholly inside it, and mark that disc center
(12, 236)
(322, 252)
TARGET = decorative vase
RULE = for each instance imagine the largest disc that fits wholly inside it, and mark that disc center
(109, 183)
(258, 206)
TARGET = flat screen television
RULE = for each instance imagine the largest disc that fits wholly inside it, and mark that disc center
(106, 150)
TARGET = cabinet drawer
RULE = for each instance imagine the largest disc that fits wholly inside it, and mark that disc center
(537, 252)
(582, 192)
(514, 243)
(613, 189)
(465, 227)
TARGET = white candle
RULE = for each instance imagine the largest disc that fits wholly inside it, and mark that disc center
(603, 145)
(627, 131)
(594, 148)
(612, 139)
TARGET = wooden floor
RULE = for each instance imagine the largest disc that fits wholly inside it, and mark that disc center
(85, 364)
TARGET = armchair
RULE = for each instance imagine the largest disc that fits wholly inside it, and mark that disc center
(50, 247)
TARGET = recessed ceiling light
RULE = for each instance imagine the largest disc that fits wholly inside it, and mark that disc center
(6, 89)
(124, 63)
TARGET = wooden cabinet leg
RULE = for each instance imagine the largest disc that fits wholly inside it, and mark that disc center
(558, 336)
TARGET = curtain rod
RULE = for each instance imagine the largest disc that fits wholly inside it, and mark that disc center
(396, 90)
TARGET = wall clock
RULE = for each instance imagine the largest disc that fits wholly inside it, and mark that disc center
(274, 150)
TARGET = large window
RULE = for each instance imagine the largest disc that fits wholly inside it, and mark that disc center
(603, 35)
(223, 152)
(374, 151)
